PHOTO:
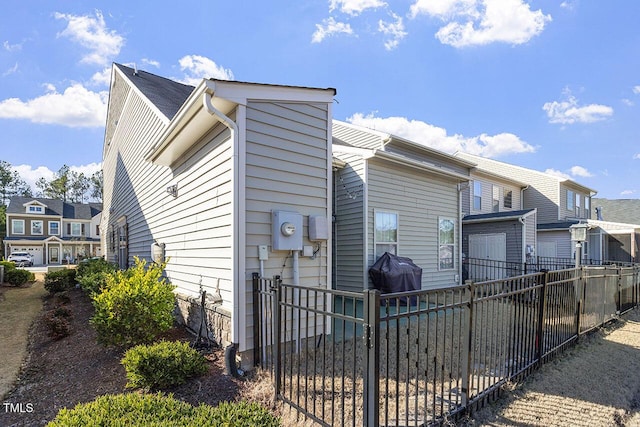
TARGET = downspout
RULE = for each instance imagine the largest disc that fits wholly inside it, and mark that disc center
(460, 188)
(230, 353)
(523, 240)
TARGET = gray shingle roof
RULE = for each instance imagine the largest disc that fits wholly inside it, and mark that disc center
(57, 207)
(617, 210)
(167, 95)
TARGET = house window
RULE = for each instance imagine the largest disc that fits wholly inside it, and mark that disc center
(446, 243)
(386, 233)
(578, 205)
(37, 227)
(477, 195)
(17, 226)
(587, 207)
(74, 229)
(34, 209)
(496, 198)
(507, 198)
(54, 228)
(571, 199)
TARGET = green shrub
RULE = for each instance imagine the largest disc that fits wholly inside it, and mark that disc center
(135, 307)
(57, 323)
(8, 265)
(142, 410)
(94, 282)
(162, 365)
(18, 277)
(60, 280)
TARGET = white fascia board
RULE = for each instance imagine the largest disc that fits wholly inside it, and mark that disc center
(396, 158)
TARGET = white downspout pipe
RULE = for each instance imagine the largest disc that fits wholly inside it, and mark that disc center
(235, 243)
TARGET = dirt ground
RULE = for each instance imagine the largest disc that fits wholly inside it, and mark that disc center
(597, 383)
(62, 373)
(18, 308)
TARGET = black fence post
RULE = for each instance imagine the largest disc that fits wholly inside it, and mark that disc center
(277, 365)
(540, 341)
(257, 318)
(467, 346)
(371, 371)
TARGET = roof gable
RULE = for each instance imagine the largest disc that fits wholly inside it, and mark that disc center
(54, 207)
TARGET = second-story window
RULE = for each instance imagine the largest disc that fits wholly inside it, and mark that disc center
(578, 205)
(37, 227)
(75, 229)
(571, 199)
(477, 195)
(17, 226)
(54, 228)
(587, 207)
(496, 199)
(507, 196)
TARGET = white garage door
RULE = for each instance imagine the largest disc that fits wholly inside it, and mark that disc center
(36, 251)
(487, 253)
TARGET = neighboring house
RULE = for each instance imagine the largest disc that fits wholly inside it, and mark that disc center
(394, 195)
(498, 233)
(53, 231)
(561, 203)
(616, 210)
(228, 178)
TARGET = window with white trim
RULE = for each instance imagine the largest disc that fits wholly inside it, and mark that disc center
(35, 209)
(496, 199)
(477, 195)
(446, 243)
(17, 226)
(507, 197)
(75, 229)
(37, 227)
(571, 200)
(587, 206)
(386, 233)
(54, 228)
(578, 205)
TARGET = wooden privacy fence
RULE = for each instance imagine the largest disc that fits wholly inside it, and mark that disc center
(422, 357)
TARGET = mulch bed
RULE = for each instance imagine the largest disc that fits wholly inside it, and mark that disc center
(61, 373)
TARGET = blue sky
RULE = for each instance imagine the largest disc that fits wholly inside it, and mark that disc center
(549, 85)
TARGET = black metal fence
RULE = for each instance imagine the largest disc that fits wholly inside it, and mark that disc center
(422, 357)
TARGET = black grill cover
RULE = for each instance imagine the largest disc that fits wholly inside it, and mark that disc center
(392, 273)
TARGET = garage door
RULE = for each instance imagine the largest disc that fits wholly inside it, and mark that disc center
(36, 251)
(487, 253)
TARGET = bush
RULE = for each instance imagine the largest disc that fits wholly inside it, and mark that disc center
(94, 282)
(162, 365)
(135, 307)
(8, 265)
(60, 280)
(141, 410)
(18, 277)
(57, 323)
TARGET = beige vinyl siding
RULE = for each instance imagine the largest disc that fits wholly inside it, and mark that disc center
(195, 226)
(419, 199)
(530, 223)
(288, 160)
(349, 239)
(356, 137)
(562, 240)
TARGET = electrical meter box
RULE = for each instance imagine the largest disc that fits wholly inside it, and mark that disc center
(286, 231)
(318, 228)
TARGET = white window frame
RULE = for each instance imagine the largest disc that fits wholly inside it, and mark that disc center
(13, 226)
(587, 206)
(508, 191)
(387, 242)
(495, 199)
(578, 213)
(33, 223)
(50, 224)
(571, 200)
(449, 246)
(79, 225)
(35, 209)
(477, 196)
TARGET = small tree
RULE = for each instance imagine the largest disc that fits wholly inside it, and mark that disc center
(135, 306)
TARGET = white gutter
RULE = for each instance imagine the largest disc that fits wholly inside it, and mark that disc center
(235, 244)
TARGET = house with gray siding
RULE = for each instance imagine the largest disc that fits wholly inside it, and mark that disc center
(561, 203)
(394, 195)
(198, 176)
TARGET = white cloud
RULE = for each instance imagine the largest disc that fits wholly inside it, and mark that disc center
(330, 27)
(75, 107)
(11, 47)
(152, 62)
(569, 111)
(436, 137)
(636, 89)
(627, 192)
(394, 30)
(354, 7)
(628, 102)
(92, 33)
(102, 78)
(557, 174)
(31, 175)
(636, 156)
(581, 172)
(481, 22)
(198, 67)
(11, 70)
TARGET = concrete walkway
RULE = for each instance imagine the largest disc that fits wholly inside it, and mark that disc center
(18, 309)
(597, 383)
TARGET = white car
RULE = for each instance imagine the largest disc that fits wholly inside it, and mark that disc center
(21, 258)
